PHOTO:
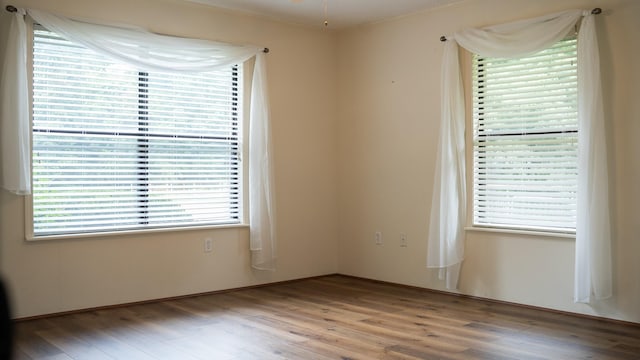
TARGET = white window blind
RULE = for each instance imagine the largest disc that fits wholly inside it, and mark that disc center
(118, 148)
(525, 140)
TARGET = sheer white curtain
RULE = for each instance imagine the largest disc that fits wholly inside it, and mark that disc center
(520, 38)
(262, 209)
(15, 129)
(593, 230)
(153, 52)
(147, 50)
(449, 202)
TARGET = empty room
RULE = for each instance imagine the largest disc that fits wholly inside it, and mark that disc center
(320, 179)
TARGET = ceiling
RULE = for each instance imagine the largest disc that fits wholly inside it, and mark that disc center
(340, 13)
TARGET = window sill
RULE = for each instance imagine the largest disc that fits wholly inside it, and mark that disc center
(541, 233)
(133, 232)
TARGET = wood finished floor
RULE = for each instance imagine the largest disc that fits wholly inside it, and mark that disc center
(333, 317)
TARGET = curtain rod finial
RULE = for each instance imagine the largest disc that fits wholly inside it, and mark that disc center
(443, 38)
(11, 8)
(596, 11)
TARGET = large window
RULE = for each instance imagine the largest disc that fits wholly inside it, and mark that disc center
(118, 148)
(525, 140)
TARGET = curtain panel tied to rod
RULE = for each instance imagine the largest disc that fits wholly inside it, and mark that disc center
(595, 11)
(161, 53)
(12, 9)
(593, 271)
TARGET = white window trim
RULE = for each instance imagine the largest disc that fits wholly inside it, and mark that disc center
(510, 231)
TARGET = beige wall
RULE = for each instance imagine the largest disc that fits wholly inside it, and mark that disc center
(356, 116)
(56, 276)
(389, 108)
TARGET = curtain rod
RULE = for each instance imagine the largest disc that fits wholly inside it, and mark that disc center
(12, 9)
(595, 11)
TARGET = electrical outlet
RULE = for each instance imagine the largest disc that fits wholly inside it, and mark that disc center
(403, 240)
(378, 238)
(208, 245)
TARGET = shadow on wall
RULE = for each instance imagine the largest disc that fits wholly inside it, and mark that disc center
(6, 330)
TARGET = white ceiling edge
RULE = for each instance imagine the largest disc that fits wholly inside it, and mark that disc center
(340, 13)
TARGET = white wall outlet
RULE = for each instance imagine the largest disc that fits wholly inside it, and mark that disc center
(378, 238)
(403, 240)
(208, 245)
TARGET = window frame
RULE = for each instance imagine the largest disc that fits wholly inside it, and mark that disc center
(467, 59)
(244, 92)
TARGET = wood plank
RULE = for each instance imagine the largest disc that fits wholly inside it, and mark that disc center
(332, 317)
